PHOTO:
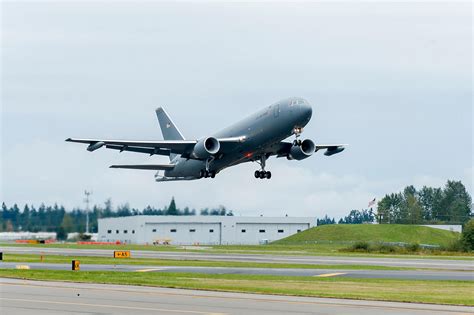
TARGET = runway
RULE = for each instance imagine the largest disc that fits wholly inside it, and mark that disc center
(38, 297)
(448, 264)
(380, 274)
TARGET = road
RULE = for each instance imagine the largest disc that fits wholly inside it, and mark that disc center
(35, 297)
(381, 274)
(318, 260)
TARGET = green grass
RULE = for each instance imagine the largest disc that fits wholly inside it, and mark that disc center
(372, 233)
(57, 259)
(420, 291)
(325, 248)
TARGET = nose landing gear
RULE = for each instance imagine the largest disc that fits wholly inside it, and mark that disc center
(297, 131)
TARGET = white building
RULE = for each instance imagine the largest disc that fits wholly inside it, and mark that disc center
(202, 230)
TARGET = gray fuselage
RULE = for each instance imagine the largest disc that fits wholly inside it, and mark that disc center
(261, 130)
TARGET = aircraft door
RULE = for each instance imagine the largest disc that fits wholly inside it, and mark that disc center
(276, 111)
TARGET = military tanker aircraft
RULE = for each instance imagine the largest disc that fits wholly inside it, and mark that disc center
(253, 139)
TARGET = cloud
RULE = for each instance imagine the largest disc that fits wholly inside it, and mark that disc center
(393, 81)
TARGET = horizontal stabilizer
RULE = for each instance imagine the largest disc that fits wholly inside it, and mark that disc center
(155, 167)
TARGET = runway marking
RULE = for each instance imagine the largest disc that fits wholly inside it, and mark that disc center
(22, 267)
(342, 303)
(113, 306)
(148, 270)
(325, 275)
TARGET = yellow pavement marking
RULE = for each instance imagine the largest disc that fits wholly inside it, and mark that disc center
(24, 267)
(148, 270)
(112, 306)
(325, 275)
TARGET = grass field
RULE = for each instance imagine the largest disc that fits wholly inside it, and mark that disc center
(438, 292)
(372, 233)
(57, 259)
(327, 248)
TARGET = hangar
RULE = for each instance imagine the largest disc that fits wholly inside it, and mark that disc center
(202, 230)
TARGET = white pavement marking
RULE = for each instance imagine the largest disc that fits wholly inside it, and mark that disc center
(112, 306)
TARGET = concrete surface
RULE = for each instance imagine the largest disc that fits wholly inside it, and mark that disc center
(463, 264)
(392, 274)
(41, 298)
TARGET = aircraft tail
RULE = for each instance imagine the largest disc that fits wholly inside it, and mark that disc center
(168, 128)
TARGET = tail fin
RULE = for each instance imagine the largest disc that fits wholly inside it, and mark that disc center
(168, 128)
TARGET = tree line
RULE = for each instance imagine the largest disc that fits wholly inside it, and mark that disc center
(451, 204)
(354, 217)
(57, 219)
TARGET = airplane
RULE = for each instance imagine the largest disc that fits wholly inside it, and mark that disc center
(253, 139)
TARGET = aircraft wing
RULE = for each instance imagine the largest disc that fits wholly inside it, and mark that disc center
(156, 167)
(331, 149)
(282, 149)
(160, 147)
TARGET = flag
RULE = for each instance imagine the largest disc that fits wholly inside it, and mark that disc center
(372, 203)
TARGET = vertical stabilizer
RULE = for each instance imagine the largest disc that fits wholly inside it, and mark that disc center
(168, 128)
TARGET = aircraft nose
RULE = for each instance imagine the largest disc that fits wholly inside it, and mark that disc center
(306, 111)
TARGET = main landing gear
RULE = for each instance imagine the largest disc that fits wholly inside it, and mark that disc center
(207, 173)
(262, 173)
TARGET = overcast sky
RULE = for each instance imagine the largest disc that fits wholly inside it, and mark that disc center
(393, 80)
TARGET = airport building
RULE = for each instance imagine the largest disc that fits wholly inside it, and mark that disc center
(202, 230)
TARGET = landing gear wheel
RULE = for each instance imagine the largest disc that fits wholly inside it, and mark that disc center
(257, 174)
(212, 174)
(202, 173)
(262, 174)
(268, 175)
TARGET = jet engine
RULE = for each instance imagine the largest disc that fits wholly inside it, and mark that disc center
(302, 151)
(206, 147)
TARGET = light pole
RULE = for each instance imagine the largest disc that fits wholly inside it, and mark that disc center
(87, 200)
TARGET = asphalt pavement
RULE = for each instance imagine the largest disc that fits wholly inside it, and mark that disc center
(41, 298)
(448, 264)
(381, 274)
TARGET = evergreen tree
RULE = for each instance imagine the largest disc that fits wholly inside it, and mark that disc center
(172, 210)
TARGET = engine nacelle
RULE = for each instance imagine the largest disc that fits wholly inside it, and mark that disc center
(303, 151)
(206, 147)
